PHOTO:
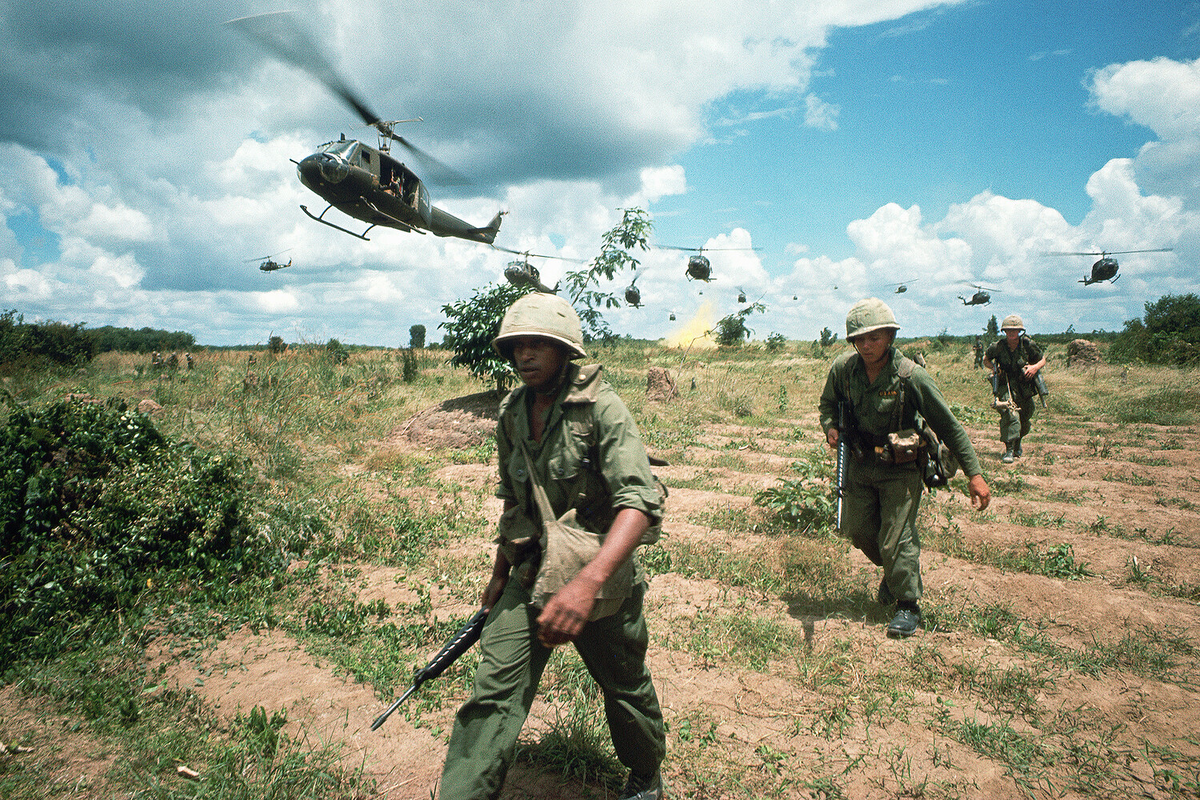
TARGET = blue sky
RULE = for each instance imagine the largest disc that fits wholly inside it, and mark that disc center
(144, 159)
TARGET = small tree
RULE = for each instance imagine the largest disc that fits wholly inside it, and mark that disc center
(276, 345)
(583, 285)
(337, 351)
(828, 337)
(775, 341)
(416, 337)
(731, 330)
(993, 327)
(472, 324)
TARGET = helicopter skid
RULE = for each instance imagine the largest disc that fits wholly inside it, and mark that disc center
(362, 235)
(401, 224)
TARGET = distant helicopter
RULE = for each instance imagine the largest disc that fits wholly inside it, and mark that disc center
(633, 295)
(671, 316)
(1106, 268)
(741, 295)
(698, 267)
(268, 265)
(980, 298)
(902, 287)
(361, 181)
(522, 273)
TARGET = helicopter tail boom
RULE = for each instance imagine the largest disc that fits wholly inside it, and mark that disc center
(488, 232)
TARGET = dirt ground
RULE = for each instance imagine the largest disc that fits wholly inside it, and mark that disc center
(1124, 498)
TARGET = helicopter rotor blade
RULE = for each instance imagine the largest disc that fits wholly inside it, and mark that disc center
(441, 173)
(279, 33)
(263, 258)
(528, 254)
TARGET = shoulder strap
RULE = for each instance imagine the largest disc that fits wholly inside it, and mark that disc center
(904, 369)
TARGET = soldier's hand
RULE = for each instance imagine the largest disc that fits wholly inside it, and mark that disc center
(567, 612)
(981, 495)
(831, 436)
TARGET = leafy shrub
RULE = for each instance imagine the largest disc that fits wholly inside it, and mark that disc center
(805, 503)
(33, 345)
(1170, 333)
(96, 506)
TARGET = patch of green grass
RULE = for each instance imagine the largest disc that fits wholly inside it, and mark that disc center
(1025, 758)
(1038, 519)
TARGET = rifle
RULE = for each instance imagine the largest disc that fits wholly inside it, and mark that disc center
(843, 456)
(467, 635)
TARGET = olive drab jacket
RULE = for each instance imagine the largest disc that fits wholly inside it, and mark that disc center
(1012, 364)
(591, 452)
(874, 403)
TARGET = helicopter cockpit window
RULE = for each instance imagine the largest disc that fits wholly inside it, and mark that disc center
(343, 149)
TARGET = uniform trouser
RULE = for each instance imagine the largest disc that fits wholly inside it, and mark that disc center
(1015, 424)
(880, 517)
(483, 744)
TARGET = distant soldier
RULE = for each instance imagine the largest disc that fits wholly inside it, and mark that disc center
(173, 362)
(188, 358)
(1015, 362)
(978, 352)
(156, 360)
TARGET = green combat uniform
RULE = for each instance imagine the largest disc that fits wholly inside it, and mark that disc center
(1011, 364)
(591, 450)
(881, 500)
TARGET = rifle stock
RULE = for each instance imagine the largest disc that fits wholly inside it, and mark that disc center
(467, 635)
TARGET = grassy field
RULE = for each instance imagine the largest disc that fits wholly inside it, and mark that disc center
(1058, 658)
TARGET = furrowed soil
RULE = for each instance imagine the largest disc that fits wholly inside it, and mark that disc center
(1059, 655)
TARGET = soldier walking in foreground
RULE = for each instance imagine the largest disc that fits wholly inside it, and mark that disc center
(578, 498)
(1015, 362)
(883, 393)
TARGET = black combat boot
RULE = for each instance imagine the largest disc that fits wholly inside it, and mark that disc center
(1009, 455)
(1017, 448)
(904, 624)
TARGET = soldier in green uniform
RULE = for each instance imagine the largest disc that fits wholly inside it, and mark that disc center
(885, 392)
(1016, 361)
(978, 352)
(564, 439)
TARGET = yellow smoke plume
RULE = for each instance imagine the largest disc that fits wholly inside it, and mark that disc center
(695, 332)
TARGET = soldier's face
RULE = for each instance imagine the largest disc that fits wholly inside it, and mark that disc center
(539, 361)
(1013, 336)
(873, 346)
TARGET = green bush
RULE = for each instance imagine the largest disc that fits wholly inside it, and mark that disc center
(97, 507)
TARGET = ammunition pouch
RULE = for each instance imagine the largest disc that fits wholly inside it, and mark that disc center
(938, 465)
(904, 446)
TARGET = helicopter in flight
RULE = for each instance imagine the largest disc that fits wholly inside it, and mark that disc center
(633, 295)
(363, 182)
(522, 273)
(902, 287)
(981, 297)
(699, 268)
(268, 265)
(1106, 268)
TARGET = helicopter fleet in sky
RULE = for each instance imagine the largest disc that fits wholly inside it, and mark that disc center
(368, 184)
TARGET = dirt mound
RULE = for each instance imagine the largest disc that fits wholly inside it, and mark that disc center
(460, 422)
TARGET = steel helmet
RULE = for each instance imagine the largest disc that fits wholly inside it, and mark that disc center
(545, 315)
(1014, 322)
(869, 315)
